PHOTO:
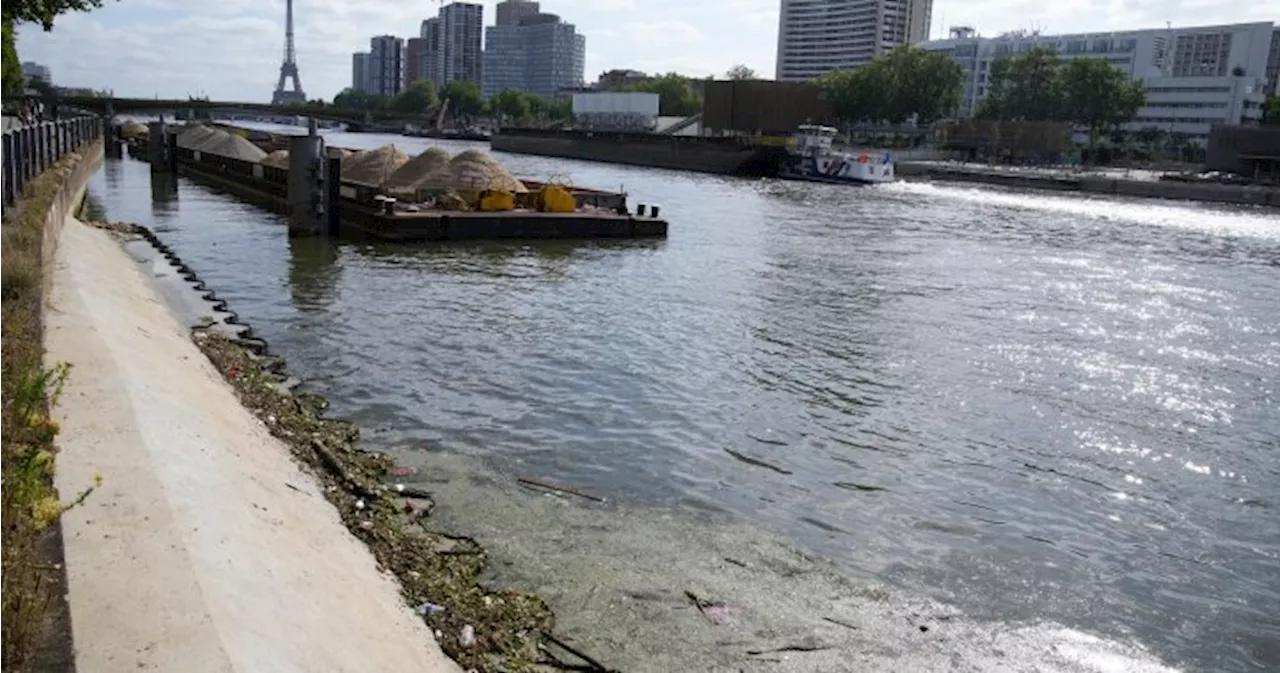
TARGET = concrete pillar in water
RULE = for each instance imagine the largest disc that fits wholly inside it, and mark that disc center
(156, 154)
(306, 185)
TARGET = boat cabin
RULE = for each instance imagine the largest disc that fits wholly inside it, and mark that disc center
(813, 140)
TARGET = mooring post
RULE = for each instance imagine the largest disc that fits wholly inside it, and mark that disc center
(333, 194)
(156, 142)
(306, 184)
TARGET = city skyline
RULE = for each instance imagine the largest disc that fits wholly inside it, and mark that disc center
(170, 49)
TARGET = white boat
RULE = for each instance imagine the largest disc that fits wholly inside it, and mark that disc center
(812, 159)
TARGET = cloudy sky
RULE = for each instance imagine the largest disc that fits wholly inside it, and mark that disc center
(231, 49)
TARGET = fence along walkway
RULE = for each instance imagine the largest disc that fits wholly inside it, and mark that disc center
(32, 149)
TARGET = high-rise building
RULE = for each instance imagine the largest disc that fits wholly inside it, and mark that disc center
(815, 38)
(412, 60)
(1273, 65)
(386, 65)
(510, 11)
(539, 54)
(461, 31)
(360, 71)
(431, 57)
(1194, 77)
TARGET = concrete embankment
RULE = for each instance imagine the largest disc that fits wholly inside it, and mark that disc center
(1093, 184)
(206, 548)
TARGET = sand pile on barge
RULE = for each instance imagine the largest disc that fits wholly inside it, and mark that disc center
(373, 167)
(472, 170)
(219, 142)
(134, 129)
(277, 159)
(414, 171)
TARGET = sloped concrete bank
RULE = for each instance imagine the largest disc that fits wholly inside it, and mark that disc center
(437, 572)
(206, 548)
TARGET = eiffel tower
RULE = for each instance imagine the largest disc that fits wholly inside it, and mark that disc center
(289, 68)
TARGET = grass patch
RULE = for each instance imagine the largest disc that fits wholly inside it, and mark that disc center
(32, 586)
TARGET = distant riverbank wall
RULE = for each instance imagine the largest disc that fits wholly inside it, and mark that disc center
(1093, 183)
(723, 156)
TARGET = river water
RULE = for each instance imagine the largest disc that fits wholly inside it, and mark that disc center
(1030, 406)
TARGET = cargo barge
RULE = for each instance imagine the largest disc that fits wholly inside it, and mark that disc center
(720, 155)
(364, 210)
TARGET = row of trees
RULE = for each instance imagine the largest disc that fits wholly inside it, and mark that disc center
(677, 96)
(463, 98)
(1040, 86)
(909, 82)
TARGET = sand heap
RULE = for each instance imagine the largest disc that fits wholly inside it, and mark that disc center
(134, 129)
(337, 152)
(407, 177)
(219, 142)
(472, 170)
(373, 167)
(277, 159)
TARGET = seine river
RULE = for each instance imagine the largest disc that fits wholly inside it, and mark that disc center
(1029, 406)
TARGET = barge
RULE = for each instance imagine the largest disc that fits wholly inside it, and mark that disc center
(720, 155)
(546, 211)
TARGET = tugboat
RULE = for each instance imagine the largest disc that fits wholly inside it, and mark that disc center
(813, 160)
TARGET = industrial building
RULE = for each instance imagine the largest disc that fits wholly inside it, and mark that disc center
(818, 36)
(532, 51)
(1194, 77)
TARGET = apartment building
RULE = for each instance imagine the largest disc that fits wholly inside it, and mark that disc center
(360, 71)
(461, 30)
(539, 53)
(818, 36)
(386, 65)
(1194, 77)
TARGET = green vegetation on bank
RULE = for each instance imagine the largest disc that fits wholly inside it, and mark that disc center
(1039, 86)
(907, 82)
(30, 504)
(463, 98)
(676, 95)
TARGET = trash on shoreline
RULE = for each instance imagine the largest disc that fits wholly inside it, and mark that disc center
(714, 612)
(428, 609)
(467, 637)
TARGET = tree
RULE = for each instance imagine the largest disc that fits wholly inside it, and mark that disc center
(907, 82)
(1271, 111)
(740, 72)
(1097, 96)
(1025, 87)
(419, 98)
(12, 69)
(512, 103)
(44, 12)
(351, 99)
(919, 83)
(463, 97)
(676, 97)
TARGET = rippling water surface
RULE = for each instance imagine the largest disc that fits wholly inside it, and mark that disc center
(1031, 405)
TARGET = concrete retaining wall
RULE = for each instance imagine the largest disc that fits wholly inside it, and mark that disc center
(68, 200)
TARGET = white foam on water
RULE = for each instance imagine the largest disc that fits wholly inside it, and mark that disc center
(1194, 216)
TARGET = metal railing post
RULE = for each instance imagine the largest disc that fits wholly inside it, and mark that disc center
(8, 169)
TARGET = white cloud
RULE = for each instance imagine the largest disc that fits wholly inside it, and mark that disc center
(231, 49)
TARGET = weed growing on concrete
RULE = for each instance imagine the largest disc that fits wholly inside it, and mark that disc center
(31, 583)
